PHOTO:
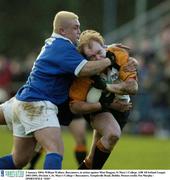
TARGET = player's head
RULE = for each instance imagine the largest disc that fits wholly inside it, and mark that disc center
(67, 24)
(91, 44)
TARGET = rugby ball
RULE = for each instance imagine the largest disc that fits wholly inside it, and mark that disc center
(93, 95)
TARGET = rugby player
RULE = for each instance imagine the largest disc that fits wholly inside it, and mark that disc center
(105, 118)
(41, 105)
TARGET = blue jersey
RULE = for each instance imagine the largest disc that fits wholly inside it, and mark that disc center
(53, 72)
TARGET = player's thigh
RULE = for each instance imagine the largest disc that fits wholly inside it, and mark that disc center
(50, 139)
(23, 148)
(106, 124)
(78, 128)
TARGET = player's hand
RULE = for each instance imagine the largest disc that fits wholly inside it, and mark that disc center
(98, 82)
(120, 105)
(131, 66)
(111, 56)
(106, 99)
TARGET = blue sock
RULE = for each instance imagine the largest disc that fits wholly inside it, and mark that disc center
(6, 162)
(53, 161)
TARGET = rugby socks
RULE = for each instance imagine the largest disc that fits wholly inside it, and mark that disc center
(34, 160)
(6, 162)
(83, 165)
(101, 154)
(53, 161)
(80, 153)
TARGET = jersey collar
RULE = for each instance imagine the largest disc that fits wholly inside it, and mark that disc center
(60, 36)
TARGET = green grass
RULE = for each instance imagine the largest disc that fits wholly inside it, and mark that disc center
(131, 152)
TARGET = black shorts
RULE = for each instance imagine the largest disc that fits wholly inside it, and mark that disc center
(121, 117)
(65, 116)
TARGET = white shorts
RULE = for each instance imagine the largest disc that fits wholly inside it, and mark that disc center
(26, 117)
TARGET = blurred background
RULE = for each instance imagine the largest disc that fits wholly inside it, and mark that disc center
(143, 25)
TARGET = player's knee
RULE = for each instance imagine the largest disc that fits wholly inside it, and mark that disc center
(21, 162)
(51, 148)
(54, 147)
(113, 137)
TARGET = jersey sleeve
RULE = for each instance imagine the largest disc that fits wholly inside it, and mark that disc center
(70, 60)
(79, 89)
(122, 57)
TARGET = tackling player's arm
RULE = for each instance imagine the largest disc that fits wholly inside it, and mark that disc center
(94, 67)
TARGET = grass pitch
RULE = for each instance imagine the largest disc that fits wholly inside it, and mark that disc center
(131, 152)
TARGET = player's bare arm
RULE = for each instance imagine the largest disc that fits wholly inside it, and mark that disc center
(131, 66)
(94, 67)
(82, 107)
(120, 105)
(129, 86)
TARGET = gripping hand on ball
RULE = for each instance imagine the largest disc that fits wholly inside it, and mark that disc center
(106, 99)
(112, 58)
(98, 82)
